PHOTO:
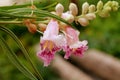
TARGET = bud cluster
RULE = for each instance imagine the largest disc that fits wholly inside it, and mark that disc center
(104, 10)
(88, 13)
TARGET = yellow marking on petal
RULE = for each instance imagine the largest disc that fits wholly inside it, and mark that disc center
(45, 45)
(51, 45)
(74, 49)
(48, 44)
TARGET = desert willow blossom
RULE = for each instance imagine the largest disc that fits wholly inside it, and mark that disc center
(51, 42)
(54, 41)
(60, 36)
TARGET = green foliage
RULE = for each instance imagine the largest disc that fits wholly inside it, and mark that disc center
(103, 34)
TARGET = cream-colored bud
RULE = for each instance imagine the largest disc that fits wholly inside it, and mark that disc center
(70, 18)
(83, 21)
(115, 5)
(109, 3)
(99, 5)
(91, 8)
(73, 9)
(59, 9)
(85, 8)
(107, 9)
(90, 16)
(115, 8)
(104, 13)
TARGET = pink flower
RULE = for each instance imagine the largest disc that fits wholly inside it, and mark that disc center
(74, 46)
(50, 43)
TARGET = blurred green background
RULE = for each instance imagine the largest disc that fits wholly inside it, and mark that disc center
(101, 33)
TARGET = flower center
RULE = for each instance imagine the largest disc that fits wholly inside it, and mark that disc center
(48, 45)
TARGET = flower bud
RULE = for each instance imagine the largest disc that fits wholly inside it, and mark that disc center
(104, 13)
(109, 3)
(32, 28)
(115, 5)
(70, 18)
(83, 21)
(108, 9)
(59, 9)
(85, 8)
(42, 27)
(90, 16)
(73, 9)
(99, 5)
(91, 8)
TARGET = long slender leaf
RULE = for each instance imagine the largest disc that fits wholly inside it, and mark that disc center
(37, 4)
(14, 59)
(20, 45)
(38, 12)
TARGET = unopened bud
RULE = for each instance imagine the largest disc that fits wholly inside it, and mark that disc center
(104, 13)
(32, 28)
(68, 17)
(59, 9)
(99, 5)
(90, 16)
(91, 8)
(107, 9)
(85, 8)
(109, 3)
(83, 21)
(73, 9)
(115, 5)
(42, 27)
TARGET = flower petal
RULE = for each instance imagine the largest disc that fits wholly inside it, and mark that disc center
(46, 56)
(72, 35)
(51, 30)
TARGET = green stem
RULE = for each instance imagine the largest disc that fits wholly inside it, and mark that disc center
(21, 22)
(11, 22)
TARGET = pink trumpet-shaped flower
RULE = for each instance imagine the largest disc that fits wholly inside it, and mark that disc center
(74, 46)
(50, 43)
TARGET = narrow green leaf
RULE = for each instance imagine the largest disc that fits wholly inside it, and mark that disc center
(26, 54)
(37, 12)
(7, 14)
(14, 59)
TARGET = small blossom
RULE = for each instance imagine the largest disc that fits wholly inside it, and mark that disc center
(50, 43)
(74, 46)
